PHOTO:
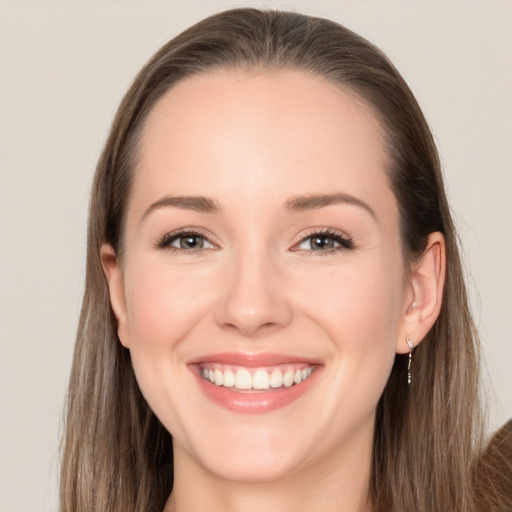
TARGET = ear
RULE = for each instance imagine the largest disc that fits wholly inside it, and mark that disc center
(115, 280)
(425, 294)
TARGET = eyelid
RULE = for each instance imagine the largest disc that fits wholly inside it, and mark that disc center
(346, 241)
(163, 242)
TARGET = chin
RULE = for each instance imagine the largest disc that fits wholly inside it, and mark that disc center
(251, 456)
(254, 470)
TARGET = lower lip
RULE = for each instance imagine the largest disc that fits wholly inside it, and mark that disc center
(257, 402)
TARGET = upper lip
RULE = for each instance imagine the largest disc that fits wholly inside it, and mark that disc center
(252, 360)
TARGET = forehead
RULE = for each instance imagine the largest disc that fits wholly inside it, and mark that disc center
(245, 132)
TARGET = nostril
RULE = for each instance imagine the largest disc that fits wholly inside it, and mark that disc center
(251, 329)
(254, 300)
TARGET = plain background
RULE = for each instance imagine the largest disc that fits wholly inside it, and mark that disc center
(64, 68)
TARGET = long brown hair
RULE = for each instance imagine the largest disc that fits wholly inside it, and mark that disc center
(116, 454)
(494, 472)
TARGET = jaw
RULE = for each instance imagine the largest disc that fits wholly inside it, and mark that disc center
(267, 480)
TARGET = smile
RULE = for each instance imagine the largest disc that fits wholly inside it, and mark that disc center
(239, 378)
(255, 383)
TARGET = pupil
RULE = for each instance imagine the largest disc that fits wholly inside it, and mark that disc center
(322, 242)
(190, 242)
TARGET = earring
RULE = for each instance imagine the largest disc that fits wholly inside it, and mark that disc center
(410, 344)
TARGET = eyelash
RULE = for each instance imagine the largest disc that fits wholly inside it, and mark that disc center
(345, 242)
(166, 241)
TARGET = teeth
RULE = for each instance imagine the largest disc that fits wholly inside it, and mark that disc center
(276, 379)
(229, 379)
(261, 380)
(243, 379)
(257, 379)
(288, 378)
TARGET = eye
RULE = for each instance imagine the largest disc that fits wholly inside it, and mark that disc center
(185, 241)
(325, 241)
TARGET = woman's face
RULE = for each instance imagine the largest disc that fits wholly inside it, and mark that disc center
(262, 251)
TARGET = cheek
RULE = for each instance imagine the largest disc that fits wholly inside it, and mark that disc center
(360, 310)
(163, 304)
(358, 301)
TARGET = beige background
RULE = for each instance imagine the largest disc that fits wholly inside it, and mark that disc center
(64, 67)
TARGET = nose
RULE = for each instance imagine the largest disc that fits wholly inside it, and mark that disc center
(255, 299)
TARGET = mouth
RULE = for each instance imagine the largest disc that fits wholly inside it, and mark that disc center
(244, 379)
(254, 384)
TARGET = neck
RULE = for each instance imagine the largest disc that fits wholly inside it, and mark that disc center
(340, 483)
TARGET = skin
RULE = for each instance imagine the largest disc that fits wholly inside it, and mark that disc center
(251, 142)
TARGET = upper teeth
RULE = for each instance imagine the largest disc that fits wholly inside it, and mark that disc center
(255, 378)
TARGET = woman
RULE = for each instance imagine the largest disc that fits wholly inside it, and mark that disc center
(273, 280)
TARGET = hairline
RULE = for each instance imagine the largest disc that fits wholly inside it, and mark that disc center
(258, 69)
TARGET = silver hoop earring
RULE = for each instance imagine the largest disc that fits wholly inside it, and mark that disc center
(410, 344)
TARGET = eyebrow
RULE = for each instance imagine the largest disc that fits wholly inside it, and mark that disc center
(203, 204)
(194, 203)
(315, 201)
